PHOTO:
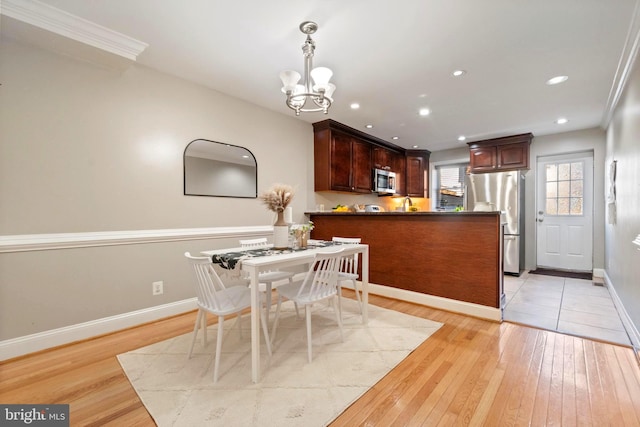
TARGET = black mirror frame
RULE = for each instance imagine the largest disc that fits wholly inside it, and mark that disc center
(184, 171)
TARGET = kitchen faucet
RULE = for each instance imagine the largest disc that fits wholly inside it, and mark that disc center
(404, 203)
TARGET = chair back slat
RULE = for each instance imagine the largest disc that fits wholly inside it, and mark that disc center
(322, 278)
(348, 264)
(210, 289)
(254, 243)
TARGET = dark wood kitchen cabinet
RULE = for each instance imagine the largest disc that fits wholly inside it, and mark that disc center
(342, 162)
(417, 179)
(384, 158)
(344, 158)
(500, 154)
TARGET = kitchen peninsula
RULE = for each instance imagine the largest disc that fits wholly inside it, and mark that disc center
(455, 256)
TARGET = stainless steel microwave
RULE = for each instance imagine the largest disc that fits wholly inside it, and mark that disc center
(384, 181)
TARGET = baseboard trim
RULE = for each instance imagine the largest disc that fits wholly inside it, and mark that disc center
(632, 331)
(462, 307)
(31, 343)
(598, 272)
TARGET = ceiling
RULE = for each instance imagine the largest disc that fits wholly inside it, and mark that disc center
(394, 58)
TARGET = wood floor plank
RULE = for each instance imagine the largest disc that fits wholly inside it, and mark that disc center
(569, 415)
(470, 372)
(613, 412)
(541, 401)
(555, 407)
(583, 403)
(597, 398)
(531, 382)
(624, 398)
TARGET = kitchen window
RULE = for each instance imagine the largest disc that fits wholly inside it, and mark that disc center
(450, 186)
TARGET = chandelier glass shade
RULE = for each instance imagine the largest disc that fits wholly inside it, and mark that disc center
(315, 92)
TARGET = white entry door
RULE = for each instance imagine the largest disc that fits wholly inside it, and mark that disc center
(564, 209)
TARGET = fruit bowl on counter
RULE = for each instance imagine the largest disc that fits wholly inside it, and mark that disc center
(344, 208)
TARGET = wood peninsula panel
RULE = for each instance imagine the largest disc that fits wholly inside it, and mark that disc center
(450, 255)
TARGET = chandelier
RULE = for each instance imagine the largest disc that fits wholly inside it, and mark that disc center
(305, 96)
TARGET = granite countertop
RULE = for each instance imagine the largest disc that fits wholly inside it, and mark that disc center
(396, 213)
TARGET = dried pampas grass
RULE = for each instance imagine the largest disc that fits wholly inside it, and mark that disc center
(278, 197)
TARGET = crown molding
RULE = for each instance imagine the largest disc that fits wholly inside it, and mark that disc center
(625, 65)
(65, 24)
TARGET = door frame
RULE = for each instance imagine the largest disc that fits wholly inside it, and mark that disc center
(538, 179)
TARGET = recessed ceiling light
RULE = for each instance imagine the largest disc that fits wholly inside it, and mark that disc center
(368, 126)
(415, 146)
(458, 73)
(424, 112)
(557, 79)
(355, 106)
(395, 137)
(462, 138)
(562, 121)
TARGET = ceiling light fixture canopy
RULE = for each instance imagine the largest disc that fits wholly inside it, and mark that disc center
(307, 97)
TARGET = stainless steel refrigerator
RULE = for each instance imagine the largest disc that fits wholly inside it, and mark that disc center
(501, 191)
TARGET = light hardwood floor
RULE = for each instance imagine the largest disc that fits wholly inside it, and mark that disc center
(470, 372)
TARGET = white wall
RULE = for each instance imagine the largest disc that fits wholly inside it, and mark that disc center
(622, 262)
(89, 148)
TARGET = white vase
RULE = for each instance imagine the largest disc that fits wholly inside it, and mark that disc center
(280, 233)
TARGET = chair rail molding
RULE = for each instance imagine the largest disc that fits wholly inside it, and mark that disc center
(42, 242)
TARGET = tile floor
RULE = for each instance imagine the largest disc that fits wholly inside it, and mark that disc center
(573, 306)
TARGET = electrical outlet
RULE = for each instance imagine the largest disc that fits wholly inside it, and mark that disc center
(157, 288)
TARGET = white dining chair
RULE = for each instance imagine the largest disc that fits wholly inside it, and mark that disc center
(319, 283)
(267, 278)
(348, 271)
(215, 298)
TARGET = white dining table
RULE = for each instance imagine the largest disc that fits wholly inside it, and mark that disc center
(254, 265)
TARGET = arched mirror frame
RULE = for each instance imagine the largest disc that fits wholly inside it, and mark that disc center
(218, 153)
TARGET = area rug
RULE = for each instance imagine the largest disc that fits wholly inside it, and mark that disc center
(561, 273)
(178, 391)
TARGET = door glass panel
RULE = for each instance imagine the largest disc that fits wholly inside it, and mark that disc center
(563, 206)
(576, 171)
(552, 189)
(576, 188)
(565, 188)
(576, 206)
(552, 173)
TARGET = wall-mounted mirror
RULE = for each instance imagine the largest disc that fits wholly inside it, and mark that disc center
(216, 169)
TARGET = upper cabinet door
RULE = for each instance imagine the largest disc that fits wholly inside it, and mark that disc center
(513, 156)
(500, 154)
(417, 182)
(341, 161)
(361, 166)
(483, 159)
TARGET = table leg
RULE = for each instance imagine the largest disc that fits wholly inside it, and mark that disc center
(255, 325)
(365, 285)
